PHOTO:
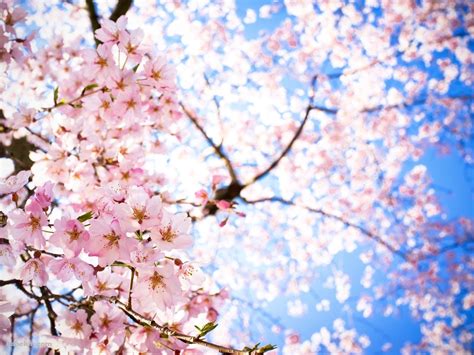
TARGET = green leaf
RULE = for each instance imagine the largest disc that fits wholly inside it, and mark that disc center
(85, 217)
(209, 327)
(255, 347)
(77, 105)
(88, 87)
(56, 95)
(135, 68)
(264, 349)
(258, 350)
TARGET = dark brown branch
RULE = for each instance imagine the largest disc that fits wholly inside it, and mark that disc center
(459, 244)
(400, 105)
(32, 328)
(143, 321)
(12, 338)
(9, 282)
(347, 223)
(395, 54)
(18, 150)
(334, 111)
(94, 18)
(19, 285)
(331, 111)
(285, 151)
(227, 193)
(217, 149)
(216, 103)
(121, 9)
(51, 314)
(415, 102)
(297, 134)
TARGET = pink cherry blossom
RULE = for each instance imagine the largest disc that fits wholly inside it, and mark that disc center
(44, 195)
(34, 270)
(139, 212)
(14, 182)
(172, 233)
(70, 235)
(109, 242)
(130, 45)
(202, 196)
(111, 31)
(105, 283)
(27, 226)
(159, 74)
(7, 257)
(190, 275)
(101, 62)
(75, 324)
(223, 205)
(107, 320)
(65, 269)
(6, 310)
(25, 117)
(145, 253)
(160, 287)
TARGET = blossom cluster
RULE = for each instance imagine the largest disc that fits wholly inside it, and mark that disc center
(309, 128)
(92, 219)
(125, 241)
(11, 45)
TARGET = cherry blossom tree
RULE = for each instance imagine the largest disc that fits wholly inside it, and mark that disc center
(176, 166)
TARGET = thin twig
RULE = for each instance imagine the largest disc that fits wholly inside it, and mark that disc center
(94, 18)
(12, 337)
(217, 104)
(121, 8)
(142, 320)
(51, 314)
(347, 223)
(82, 95)
(395, 53)
(32, 326)
(218, 149)
(131, 287)
(297, 134)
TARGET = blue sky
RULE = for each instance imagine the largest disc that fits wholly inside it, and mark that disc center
(453, 180)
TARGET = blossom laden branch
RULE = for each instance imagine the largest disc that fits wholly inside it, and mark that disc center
(296, 135)
(347, 223)
(120, 9)
(166, 331)
(50, 311)
(217, 149)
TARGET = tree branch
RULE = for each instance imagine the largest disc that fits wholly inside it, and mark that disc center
(418, 101)
(334, 111)
(285, 151)
(298, 132)
(94, 19)
(51, 314)
(216, 103)
(394, 53)
(459, 244)
(120, 9)
(19, 285)
(144, 321)
(321, 212)
(217, 149)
